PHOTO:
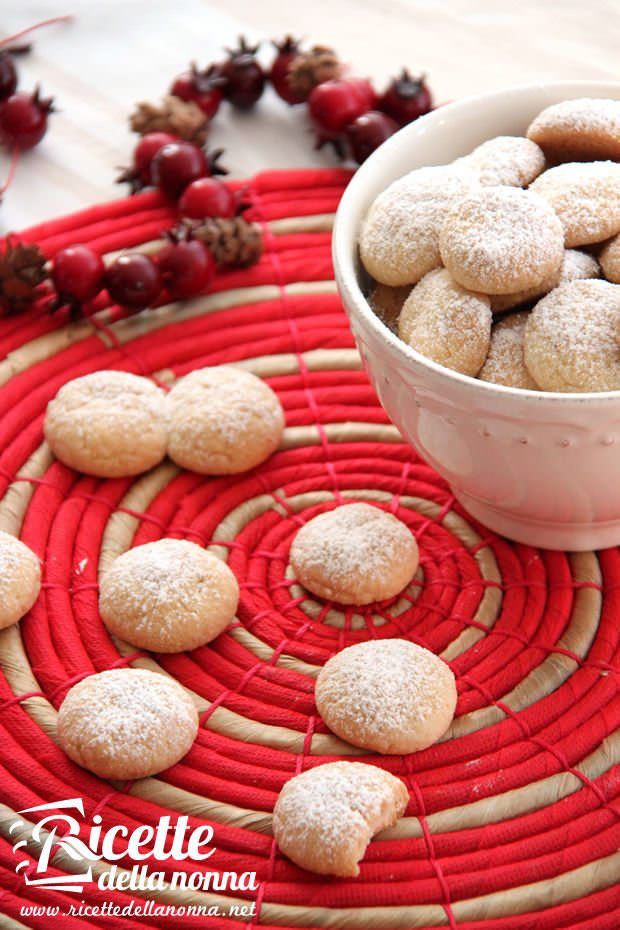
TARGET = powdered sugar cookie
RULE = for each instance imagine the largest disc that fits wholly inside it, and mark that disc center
(575, 265)
(127, 723)
(501, 240)
(109, 424)
(505, 364)
(222, 421)
(578, 130)
(387, 695)
(447, 323)
(387, 302)
(355, 554)
(570, 338)
(507, 160)
(610, 260)
(399, 241)
(20, 579)
(168, 596)
(325, 817)
(586, 198)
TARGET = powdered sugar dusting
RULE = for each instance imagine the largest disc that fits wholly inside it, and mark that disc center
(583, 125)
(570, 338)
(505, 364)
(586, 198)
(386, 695)
(20, 576)
(501, 240)
(507, 160)
(325, 817)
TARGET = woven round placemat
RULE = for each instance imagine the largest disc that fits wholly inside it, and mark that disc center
(514, 818)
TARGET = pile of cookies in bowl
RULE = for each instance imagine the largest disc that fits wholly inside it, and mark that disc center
(505, 264)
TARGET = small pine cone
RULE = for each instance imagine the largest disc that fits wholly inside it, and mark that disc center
(234, 242)
(311, 68)
(22, 270)
(176, 116)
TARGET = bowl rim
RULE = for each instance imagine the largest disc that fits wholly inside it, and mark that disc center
(344, 256)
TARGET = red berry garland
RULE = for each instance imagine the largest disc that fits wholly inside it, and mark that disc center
(346, 111)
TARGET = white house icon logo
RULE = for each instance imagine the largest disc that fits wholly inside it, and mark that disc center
(59, 830)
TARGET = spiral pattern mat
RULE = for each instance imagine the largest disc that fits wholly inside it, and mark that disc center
(514, 818)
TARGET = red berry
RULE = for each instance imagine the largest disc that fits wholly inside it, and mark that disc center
(133, 280)
(245, 79)
(288, 50)
(200, 87)
(146, 150)
(186, 267)
(406, 98)
(176, 165)
(8, 75)
(207, 197)
(368, 132)
(365, 90)
(335, 104)
(23, 119)
(77, 273)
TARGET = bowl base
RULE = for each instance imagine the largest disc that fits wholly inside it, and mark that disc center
(574, 537)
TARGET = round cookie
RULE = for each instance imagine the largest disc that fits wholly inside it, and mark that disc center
(507, 160)
(505, 364)
(575, 265)
(109, 424)
(168, 596)
(325, 817)
(20, 579)
(387, 695)
(399, 241)
(127, 723)
(584, 129)
(222, 421)
(586, 199)
(501, 240)
(387, 302)
(447, 323)
(610, 260)
(355, 554)
(570, 338)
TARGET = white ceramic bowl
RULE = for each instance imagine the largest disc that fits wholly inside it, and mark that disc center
(540, 468)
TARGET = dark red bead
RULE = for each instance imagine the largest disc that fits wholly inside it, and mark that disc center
(23, 119)
(244, 77)
(288, 50)
(176, 165)
(207, 197)
(134, 281)
(186, 267)
(368, 132)
(406, 99)
(146, 150)
(8, 75)
(77, 272)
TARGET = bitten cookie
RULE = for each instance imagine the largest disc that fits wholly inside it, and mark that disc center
(447, 323)
(399, 241)
(505, 363)
(127, 723)
(387, 695)
(575, 265)
(325, 817)
(610, 260)
(578, 130)
(355, 554)
(586, 199)
(168, 596)
(501, 240)
(570, 338)
(109, 424)
(20, 579)
(507, 160)
(222, 421)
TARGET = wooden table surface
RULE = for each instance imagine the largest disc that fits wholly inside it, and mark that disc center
(120, 51)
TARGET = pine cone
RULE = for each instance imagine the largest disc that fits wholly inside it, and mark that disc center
(182, 119)
(311, 68)
(22, 270)
(234, 242)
